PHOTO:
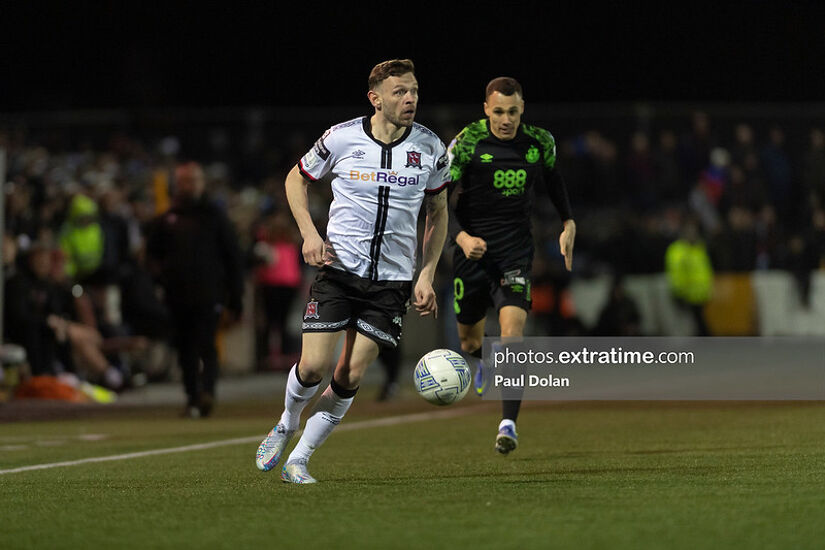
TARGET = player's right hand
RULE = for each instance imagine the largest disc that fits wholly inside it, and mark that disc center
(473, 247)
(313, 251)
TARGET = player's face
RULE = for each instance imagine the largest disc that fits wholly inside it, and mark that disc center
(505, 113)
(398, 99)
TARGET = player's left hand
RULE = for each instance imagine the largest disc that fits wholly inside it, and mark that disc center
(425, 300)
(566, 241)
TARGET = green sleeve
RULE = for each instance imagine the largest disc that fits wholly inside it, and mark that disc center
(463, 148)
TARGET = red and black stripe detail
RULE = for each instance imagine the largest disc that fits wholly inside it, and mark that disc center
(438, 189)
(304, 172)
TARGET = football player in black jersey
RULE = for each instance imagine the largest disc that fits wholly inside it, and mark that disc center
(496, 163)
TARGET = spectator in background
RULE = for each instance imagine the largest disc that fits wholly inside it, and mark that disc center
(9, 256)
(641, 173)
(278, 279)
(666, 162)
(714, 178)
(813, 168)
(116, 240)
(777, 167)
(91, 350)
(805, 253)
(690, 275)
(801, 261)
(620, 315)
(81, 238)
(818, 238)
(695, 147)
(742, 191)
(604, 156)
(193, 250)
(95, 248)
(706, 196)
(735, 247)
(770, 250)
(754, 173)
(744, 145)
(20, 217)
(143, 313)
(703, 207)
(592, 161)
(34, 318)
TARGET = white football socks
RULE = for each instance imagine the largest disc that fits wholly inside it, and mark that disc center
(297, 397)
(328, 413)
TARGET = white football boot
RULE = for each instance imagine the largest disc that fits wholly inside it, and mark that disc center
(270, 449)
(296, 472)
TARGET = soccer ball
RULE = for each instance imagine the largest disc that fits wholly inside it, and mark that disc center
(442, 377)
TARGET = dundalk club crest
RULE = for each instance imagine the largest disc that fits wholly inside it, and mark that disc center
(413, 159)
(312, 311)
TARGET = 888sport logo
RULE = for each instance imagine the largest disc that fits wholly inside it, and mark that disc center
(510, 182)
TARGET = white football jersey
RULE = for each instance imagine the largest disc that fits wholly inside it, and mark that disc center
(377, 192)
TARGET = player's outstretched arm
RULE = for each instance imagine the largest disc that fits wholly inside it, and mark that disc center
(435, 233)
(566, 241)
(296, 196)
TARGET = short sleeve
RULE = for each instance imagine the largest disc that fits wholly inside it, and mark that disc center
(318, 161)
(441, 171)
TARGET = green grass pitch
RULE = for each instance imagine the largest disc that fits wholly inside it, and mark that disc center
(586, 475)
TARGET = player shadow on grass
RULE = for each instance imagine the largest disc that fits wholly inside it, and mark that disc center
(557, 475)
(685, 450)
(700, 449)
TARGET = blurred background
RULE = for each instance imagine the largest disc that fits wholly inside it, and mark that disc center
(692, 142)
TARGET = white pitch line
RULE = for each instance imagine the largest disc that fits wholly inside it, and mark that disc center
(378, 422)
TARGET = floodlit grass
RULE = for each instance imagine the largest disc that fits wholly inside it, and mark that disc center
(586, 475)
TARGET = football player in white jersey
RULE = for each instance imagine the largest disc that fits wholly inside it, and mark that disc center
(383, 168)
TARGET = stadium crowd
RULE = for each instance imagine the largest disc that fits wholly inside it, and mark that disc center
(81, 298)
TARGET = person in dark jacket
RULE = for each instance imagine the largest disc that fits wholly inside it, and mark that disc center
(31, 315)
(193, 250)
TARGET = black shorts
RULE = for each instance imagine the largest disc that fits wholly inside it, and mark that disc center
(479, 286)
(339, 300)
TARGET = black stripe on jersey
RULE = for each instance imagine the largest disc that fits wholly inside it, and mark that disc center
(386, 148)
(378, 232)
